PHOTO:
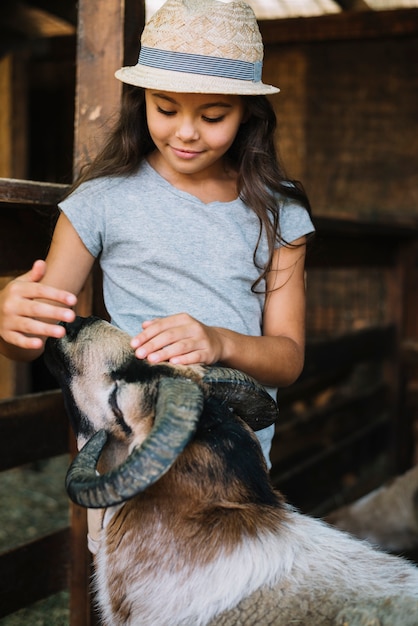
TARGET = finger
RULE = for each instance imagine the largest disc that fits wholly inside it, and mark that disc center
(166, 342)
(22, 341)
(186, 348)
(36, 291)
(37, 328)
(191, 358)
(148, 323)
(159, 324)
(35, 274)
(145, 335)
(151, 339)
(38, 271)
(35, 339)
(47, 311)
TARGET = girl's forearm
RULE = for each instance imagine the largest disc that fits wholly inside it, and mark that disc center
(274, 361)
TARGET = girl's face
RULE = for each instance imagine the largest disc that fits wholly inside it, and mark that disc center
(192, 132)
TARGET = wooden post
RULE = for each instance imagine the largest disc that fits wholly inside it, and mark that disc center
(14, 377)
(102, 48)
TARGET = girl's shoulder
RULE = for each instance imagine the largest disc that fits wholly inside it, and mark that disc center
(112, 188)
(108, 184)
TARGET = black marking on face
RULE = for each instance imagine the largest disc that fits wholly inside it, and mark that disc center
(117, 412)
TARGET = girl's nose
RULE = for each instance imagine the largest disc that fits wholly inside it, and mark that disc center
(186, 130)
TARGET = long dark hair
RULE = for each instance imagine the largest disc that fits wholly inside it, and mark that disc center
(261, 177)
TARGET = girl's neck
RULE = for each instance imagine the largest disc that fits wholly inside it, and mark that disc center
(219, 184)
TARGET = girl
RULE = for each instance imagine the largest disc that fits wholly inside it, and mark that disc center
(200, 237)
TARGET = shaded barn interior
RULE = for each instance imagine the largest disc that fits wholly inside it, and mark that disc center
(348, 130)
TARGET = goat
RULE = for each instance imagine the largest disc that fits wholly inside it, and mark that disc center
(194, 533)
(387, 517)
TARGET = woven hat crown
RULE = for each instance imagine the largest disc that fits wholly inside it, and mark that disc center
(213, 28)
(200, 46)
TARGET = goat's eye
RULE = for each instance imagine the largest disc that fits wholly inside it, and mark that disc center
(117, 411)
(113, 401)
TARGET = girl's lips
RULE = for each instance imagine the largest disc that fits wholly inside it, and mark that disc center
(185, 154)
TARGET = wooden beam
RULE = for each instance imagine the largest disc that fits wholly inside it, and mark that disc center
(348, 25)
(359, 242)
(32, 427)
(101, 50)
(34, 571)
(29, 192)
(5, 115)
(98, 92)
(13, 115)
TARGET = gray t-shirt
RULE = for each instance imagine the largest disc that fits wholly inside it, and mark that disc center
(164, 251)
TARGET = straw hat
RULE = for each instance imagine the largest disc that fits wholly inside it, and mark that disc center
(200, 46)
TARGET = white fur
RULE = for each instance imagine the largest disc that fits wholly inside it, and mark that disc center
(305, 555)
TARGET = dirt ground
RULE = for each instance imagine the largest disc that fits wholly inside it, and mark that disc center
(34, 503)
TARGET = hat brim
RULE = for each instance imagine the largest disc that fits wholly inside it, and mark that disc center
(181, 82)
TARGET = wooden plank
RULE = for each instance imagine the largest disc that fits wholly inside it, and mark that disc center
(6, 108)
(351, 243)
(322, 474)
(13, 114)
(100, 52)
(340, 352)
(82, 613)
(347, 130)
(14, 375)
(357, 225)
(340, 26)
(134, 21)
(298, 433)
(34, 571)
(328, 362)
(29, 192)
(410, 351)
(32, 427)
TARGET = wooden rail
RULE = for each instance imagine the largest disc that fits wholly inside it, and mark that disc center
(341, 26)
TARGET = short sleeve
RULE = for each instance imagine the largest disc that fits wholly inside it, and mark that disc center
(295, 221)
(85, 208)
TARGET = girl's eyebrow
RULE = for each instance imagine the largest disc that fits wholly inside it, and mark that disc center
(203, 106)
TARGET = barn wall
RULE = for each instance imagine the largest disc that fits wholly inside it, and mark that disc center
(348, 123)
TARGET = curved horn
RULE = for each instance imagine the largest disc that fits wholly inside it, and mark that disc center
(178, 408)
(243, 394)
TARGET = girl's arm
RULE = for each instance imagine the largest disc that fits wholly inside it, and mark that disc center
(32, 304)
(275, 359)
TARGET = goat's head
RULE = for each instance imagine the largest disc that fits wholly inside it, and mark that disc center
(147, 413)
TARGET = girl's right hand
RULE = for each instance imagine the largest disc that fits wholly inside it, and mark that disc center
(30, 310)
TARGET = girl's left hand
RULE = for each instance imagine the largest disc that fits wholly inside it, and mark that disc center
(179, 339)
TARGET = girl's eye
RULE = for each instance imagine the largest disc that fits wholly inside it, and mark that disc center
(164, 112)
(213, 120)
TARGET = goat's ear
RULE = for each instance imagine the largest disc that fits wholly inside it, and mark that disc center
(246, 397)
